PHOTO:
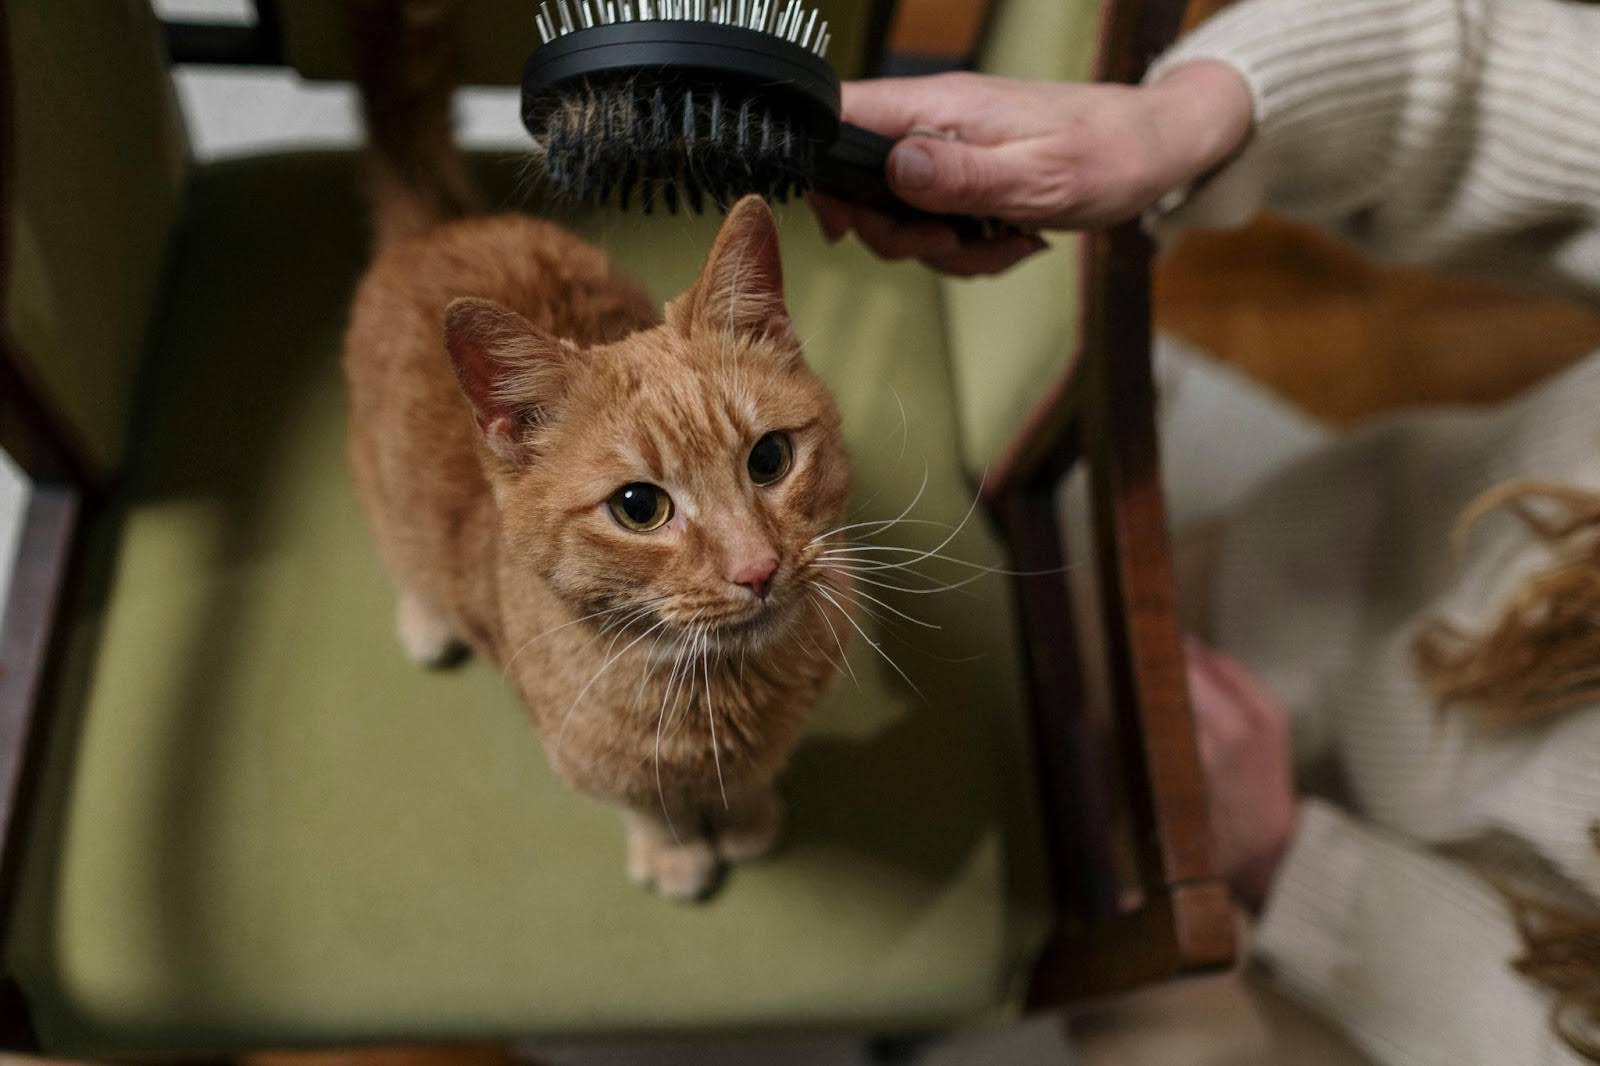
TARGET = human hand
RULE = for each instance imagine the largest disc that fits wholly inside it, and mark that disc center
(1245, 749)
(1039, 155)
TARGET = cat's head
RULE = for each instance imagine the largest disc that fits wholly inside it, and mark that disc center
(681, 475)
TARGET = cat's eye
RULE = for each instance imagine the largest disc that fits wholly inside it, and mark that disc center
(640, 506)
(770, 459)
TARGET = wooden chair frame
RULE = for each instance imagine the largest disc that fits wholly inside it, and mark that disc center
(1113, 932)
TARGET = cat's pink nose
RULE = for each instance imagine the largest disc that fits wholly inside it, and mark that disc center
(756, 575)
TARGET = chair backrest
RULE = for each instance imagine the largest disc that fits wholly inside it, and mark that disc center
(99, 163)
(1012, 336)
(494, 37)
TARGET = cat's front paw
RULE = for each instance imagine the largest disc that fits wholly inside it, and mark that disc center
(681, 871)
(752, 829)
(427, 638)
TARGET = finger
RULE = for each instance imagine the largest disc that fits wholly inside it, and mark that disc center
(976, 258)
(950, 177)
(1205, 695)
(1220, 722)
(1210, 717)
(1264, 709)
(897, 239)
(832, 216)
(895, 106)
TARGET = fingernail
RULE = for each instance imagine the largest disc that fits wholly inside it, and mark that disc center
(911, 166)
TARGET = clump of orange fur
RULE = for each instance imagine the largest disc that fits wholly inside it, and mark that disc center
(504, 380)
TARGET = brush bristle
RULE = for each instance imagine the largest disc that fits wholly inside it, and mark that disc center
(671, 147)
(788, 19)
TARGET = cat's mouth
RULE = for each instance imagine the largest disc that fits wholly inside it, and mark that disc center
(751, 627)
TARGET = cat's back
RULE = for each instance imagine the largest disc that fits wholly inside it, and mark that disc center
(395, 360)
(534, 267)
(414, 448)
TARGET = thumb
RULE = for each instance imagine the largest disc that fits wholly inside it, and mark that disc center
(951, 177)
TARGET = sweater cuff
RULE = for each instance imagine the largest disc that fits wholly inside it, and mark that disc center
(1312, 906)
(1329, 86)
(1228, 197)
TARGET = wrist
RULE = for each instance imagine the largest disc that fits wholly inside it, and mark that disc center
(1252, 880)
(1203, 113)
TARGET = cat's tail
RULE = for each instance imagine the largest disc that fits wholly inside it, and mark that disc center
(416, 176)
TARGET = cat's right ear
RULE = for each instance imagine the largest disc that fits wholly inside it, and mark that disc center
(511, 371)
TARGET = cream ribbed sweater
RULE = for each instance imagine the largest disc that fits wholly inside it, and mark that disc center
(1465, 134)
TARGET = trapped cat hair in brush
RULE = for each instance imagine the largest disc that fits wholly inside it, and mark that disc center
(622, 509)
(697, 102)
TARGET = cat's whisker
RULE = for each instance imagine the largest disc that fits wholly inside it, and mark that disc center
(904, 428)
(841, 664)
(874, 645)
(611, 659)
(805, 342)
(556, 629)
(649, 671)
(855, 596)
(661, 718)
(852, 554)
(883, 522)
(711, 719)
(826, 548)
(899, 456)
(856, 576)
(895, 629)
(971, 510)
(694, 649)
(844, 656)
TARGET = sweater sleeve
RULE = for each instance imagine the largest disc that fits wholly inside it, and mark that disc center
(1451, 132)
(1406, 951)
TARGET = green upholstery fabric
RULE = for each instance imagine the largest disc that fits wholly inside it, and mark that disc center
(262, 826)
(100, 166)
(495, 37)
(1012, 336)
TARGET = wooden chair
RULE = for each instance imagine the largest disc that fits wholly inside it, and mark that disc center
(233, 818)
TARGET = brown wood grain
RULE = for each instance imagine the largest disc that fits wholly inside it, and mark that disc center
(1345, 338)
(937, 27)
(1102, 409)
(1075, 804)
(399, 1055)
(1137, 948)
(1139, 588)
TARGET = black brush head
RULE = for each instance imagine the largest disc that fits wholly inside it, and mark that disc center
(680, 113)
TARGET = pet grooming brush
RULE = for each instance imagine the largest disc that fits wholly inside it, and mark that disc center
(690, 102)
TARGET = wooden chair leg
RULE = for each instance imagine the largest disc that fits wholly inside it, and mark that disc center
(1132, 794)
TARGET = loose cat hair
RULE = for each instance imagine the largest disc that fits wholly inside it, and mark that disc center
(626, 510)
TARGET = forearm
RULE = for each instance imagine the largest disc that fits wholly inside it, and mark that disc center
(1420, 128)
(1405, 951)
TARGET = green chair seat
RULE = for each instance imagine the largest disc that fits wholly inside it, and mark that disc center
(261, 826)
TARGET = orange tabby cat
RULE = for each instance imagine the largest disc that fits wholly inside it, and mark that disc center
(623, 511)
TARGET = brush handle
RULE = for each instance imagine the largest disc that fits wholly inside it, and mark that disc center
(852, 169)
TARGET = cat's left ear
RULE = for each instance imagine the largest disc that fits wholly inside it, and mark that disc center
(740, 289)
(512, 372)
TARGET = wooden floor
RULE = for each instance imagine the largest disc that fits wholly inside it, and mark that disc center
(1344, 338)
